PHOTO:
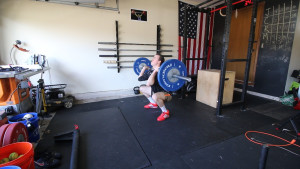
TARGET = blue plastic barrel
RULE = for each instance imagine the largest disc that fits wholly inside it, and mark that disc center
(33, 132)
(10, 167)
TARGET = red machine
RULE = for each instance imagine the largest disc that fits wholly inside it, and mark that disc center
(11, 93)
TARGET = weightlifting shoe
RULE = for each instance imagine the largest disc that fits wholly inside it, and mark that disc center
(48, 155)
(53, 154)
(163, 116)
(151, 106)
(46, 162)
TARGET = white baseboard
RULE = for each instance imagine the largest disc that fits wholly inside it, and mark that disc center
(259, 94)
(118, 94)
(103, 95)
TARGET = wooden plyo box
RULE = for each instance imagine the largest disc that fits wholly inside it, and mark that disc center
(208, 83)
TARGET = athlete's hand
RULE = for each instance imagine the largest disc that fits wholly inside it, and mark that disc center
(156, 69)
(146, 67)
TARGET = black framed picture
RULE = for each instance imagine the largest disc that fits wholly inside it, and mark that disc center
(138, 15)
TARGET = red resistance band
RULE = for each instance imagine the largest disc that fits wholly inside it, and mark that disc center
(275, 145)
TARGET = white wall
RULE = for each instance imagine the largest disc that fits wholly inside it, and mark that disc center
(69, 35)
(295, 56)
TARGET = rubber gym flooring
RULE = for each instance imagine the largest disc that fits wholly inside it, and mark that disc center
(121, 134)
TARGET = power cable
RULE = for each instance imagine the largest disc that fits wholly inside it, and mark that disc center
(49, 72)
(20, 109)
(12, 62)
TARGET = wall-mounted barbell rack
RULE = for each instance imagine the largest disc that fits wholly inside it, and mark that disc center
(117, 49)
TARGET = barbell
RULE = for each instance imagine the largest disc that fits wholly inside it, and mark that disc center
(171, 76)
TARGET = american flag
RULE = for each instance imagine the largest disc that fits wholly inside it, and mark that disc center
(196, 28)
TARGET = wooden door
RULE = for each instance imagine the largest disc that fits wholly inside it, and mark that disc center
(238, 41)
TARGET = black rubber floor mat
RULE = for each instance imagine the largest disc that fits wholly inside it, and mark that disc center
(275, 110)
(186, 129)
(106, 140)
(238, 152)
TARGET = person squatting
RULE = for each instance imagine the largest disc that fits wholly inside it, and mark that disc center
(152, 90)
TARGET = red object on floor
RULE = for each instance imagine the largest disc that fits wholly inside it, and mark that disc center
(25, 148)
(2, 133)
(3, 121)
(15, 132)
(297, 107)
(3, 118)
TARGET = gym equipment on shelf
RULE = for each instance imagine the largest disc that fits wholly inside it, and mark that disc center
(117, 49)
(144, 44)
(115, 62)
(144, 50)
(116, 56)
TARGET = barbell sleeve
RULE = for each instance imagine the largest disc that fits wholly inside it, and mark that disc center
(183, 78)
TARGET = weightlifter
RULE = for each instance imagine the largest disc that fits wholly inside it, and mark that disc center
(153, 91)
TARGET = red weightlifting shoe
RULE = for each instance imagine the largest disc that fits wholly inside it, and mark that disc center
(163, 116)
(151, 106)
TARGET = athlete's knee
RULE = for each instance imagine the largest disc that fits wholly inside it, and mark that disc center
(168, 97)
(143, 89)
(154, 97)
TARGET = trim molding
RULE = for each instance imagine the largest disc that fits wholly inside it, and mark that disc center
(259, 94)
(103, 95)
(119, 94)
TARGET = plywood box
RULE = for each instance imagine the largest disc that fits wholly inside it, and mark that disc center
(208, 83)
